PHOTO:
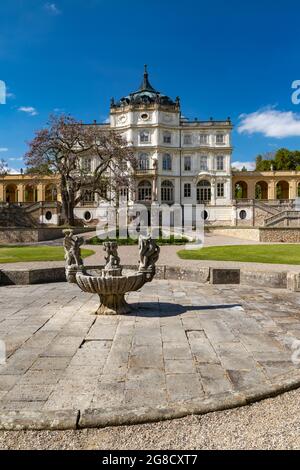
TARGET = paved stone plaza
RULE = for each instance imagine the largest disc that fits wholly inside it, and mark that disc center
(185, 348)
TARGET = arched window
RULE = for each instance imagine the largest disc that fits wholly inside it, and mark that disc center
(144, 191)
(167, 162)
(144, 161)
(167, 191)
(203, 192)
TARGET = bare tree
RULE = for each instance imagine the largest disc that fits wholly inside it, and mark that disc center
(3, 167)
(66, 147)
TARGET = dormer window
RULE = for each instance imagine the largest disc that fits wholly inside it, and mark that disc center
(145, 137)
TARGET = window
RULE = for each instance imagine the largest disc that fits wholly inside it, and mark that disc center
(144, 161)
(220, 163)
(203, 139)
(203, 163)
(187, 163)
(243, 215)
(87, 215)
(167, 162)
(220, 190)
(167, 191)
(89, 196)
(87, 164)
(144, 137)
(144, 191)
(204, 215)
(123, 193)
(187, 190)
(48, 215)
(187, 139)
(203, 192)
(167, 138)
(220, 138)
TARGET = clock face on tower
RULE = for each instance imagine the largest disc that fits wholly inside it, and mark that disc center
(122, 119)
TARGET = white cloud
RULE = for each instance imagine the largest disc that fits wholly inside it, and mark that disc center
(239, 165)
(28, 110)
(52, 9)
(3, 149)
(271, 123)
(13, 159)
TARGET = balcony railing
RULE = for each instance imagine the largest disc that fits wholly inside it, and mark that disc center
(145, 171)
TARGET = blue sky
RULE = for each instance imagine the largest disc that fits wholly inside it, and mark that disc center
(223, 58)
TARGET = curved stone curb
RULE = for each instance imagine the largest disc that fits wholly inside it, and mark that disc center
(38, 420)
(213, 275)
(117, 416)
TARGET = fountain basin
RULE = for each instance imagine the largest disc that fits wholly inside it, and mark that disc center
(109, 283)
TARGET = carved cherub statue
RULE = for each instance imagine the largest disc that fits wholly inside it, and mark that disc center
(72, 246)
(112, 258)
(149, 253)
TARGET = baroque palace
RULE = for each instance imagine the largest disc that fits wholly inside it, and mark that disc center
(179, 161)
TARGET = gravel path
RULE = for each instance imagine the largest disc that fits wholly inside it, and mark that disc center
(168, 256)
(270, 424)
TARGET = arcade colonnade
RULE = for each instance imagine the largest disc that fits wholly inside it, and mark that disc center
(273, 185)
(26, 189)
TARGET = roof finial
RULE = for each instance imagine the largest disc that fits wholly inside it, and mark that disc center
(145, 85)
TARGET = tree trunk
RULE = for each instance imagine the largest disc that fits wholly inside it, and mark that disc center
(68, 202)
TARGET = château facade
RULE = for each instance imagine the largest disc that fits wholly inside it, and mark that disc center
(179, 161)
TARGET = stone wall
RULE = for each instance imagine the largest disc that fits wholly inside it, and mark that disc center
(280, 235)
(15, 235)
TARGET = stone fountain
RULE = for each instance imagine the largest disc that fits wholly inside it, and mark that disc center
(109, 283)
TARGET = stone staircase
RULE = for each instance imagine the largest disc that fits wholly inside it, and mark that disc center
(285, 218)
(14, 215)
(267, 207)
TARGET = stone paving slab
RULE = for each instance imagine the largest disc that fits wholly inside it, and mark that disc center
(185, 348)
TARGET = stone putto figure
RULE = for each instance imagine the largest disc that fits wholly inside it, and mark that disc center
(73, 258)
(112, 258)
(149, 254)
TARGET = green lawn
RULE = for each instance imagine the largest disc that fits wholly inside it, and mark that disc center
(16, 254)
(275, 254)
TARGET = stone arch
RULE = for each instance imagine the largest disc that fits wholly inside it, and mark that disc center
(11, 193)
(30, 193)
(261, 190)
(241, 190)
(51, 193)
(282, 190)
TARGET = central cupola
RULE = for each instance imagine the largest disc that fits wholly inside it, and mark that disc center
(146, 95)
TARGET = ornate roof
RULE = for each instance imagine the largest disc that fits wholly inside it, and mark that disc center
(146, 94)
